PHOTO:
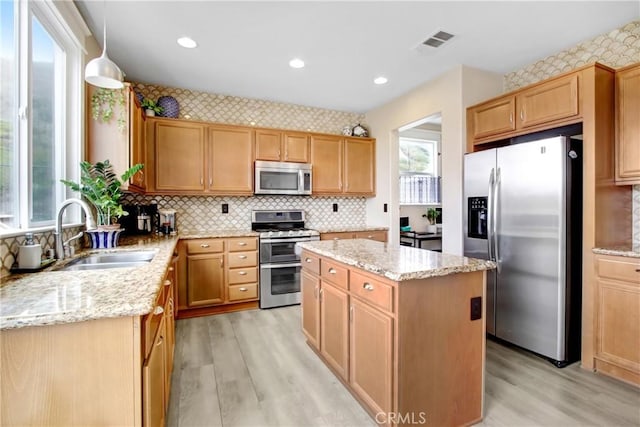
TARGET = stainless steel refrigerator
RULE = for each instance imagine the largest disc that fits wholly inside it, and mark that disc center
(523, 209)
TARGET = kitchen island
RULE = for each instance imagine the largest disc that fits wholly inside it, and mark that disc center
(402, 328)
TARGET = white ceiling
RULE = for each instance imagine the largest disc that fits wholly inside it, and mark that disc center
(244, 47)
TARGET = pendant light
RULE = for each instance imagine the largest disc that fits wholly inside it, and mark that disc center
(102, 71)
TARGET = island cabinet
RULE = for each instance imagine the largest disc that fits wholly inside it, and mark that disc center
(282, 146)
(108, 371)
(343, 165)
(628, 125)
(551, 103)
(377, 235)
(197, 158)
(617, 307)
(217, 274)
(408, 349)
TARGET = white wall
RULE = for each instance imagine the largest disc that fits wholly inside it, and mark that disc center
(449, 95)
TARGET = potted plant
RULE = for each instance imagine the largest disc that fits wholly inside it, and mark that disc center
(432, 214)
(101, 187)
(151, 107)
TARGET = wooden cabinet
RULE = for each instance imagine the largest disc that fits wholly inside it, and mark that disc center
(217, 272)
(230, 168)
(373, 336)
(359, 166)
(281, 146)
(544, 105)
(153, 378)
(121, 139)
(618, 317)
(628, 125)
(194, 158)
(371, 356)
(378, 235)
(343, 165)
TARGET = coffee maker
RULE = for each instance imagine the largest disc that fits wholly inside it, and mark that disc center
(140, 219)
(166, 221)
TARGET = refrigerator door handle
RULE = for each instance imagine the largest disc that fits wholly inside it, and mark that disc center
(490, 215)
(496, 203)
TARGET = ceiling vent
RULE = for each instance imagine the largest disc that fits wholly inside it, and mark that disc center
(438, 39)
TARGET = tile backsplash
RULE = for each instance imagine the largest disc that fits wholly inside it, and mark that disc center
(616, 49)
(205, 212)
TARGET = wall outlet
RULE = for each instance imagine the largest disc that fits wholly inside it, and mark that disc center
(385, 208)
(335, 207)
(225, 208)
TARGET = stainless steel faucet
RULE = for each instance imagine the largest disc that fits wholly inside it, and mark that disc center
(90, 223)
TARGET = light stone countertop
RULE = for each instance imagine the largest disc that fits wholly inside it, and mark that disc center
(617, 251)
(397, 263)
(353, 228)
(211, 234)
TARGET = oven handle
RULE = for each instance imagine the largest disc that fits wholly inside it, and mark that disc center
(292, 239)
(291, 264)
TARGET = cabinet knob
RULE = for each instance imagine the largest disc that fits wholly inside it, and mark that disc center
(332, 270)
(243, 289)
(242, 244)
(307, 260)
(369, 236)
(242, 256)
(336, 238)
(158, 310)
(171, 269)
(242, 273)
(167, 282)
(204, 245)
(367, 286)
(637, 270)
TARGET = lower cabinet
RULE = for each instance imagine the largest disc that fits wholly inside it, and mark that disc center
(205, 282)
(378, 235)
(617, 307)
(334, 328)
(310, 307)
(153, 381)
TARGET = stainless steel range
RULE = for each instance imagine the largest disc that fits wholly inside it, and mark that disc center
(279, 265)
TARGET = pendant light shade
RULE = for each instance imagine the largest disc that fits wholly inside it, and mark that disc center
(102, 71)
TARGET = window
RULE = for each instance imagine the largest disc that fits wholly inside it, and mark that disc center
(41, 82)
(418, 166)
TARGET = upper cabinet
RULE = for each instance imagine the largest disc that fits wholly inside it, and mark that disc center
(544, 105)
(628, 125)
(343, 165)
(120, 139)
(280, 146)
(230, 168)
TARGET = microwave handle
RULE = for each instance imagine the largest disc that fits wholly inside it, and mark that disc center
(300, 179)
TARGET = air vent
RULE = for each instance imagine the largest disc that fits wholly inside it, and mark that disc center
(438, 39)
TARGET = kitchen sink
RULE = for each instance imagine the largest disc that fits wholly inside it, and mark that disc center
(109, 260)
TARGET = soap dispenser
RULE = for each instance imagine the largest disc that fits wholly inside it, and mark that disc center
(30, 255)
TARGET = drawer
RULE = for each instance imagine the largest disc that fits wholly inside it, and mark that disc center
(152, 321)
(310, 262)
(627, 270)
(334, 273)
(205, 246)
(380, 236)
(242, 259)
(371, 290)
(336, 236)
(242, 244)
(242, 292)
(243, 275)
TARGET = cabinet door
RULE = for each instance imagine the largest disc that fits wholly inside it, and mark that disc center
(310, 307)
(205, 279)
(268, 144)
(493, 118)
(547, 102)
(334, 328)
(153, 392)
(359, 166)
(371, 352)
(378, 235)
(296, 147)
(179, 156)
(326, 163)
(231, 164)
(137, 140)
(628, 126)
(170, 340)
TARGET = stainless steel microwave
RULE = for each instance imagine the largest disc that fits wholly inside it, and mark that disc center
(282, 178)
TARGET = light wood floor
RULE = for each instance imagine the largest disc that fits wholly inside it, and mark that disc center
(253, 368)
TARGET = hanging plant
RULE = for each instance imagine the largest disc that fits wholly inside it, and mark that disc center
(103, 105)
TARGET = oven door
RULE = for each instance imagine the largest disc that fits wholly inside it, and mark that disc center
(278, 251)
(279, 284)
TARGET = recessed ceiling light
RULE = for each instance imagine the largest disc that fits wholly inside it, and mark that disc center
(296, 63)
(380, 80)
(187, 42)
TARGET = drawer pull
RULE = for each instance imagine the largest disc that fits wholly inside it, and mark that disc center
(167, 282)
(242, 256)
(336, 238)
(369, 236)
(332, 270)
(242, 244)
(158, 310)
(243, 289)
(242, 273)
(310, 260)
(637, 270)
(204, 245)
(367, 286)
(160, 339)
(171, 268)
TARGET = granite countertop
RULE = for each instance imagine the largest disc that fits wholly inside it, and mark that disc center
(618, 251)
(397, 263)
(352, 228)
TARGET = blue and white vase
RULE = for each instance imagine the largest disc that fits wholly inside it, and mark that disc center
(104, 239)
(170, 107)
